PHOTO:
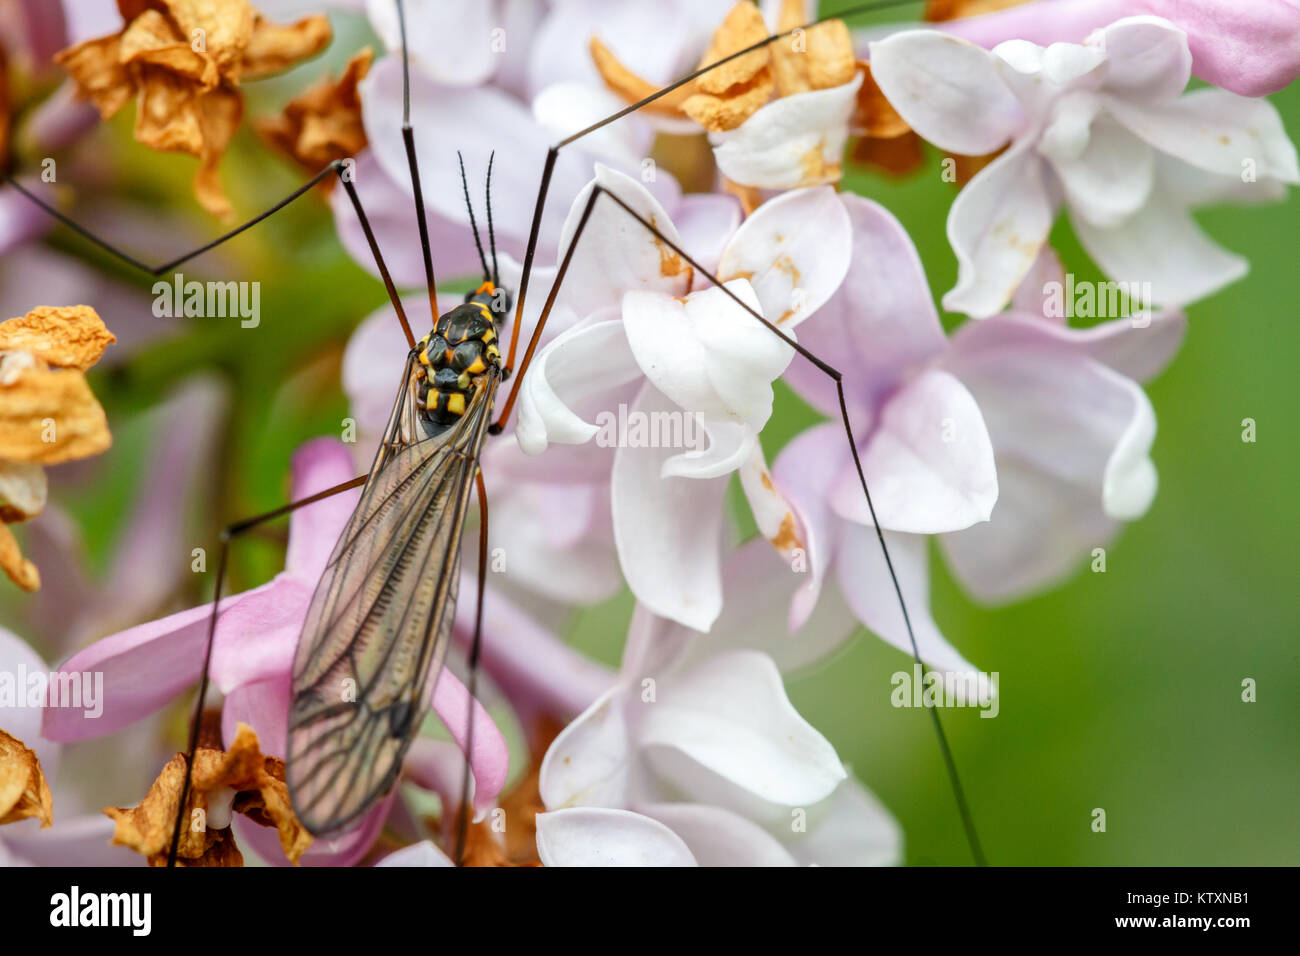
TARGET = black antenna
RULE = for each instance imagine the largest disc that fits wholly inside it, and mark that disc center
(472, 224)
(492, 238)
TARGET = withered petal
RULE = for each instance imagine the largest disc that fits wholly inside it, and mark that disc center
(624, 83)
(742, 27)
(71, 336)
(96, 69)
(23, 790)
(50, 415)
(719, 113)
(274, 48)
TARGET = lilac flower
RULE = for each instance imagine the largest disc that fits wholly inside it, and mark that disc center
(1103, 126)
(1248, 48)
(1056, 410)
(651, 348)
(697, 756)
(146, 666)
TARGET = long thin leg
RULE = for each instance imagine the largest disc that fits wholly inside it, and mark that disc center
(950, 763)
(551, 154)
(463, 813)
(408, 138)
(337, 168)
(227, 533)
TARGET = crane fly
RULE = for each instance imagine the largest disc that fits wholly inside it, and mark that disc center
(376, 633)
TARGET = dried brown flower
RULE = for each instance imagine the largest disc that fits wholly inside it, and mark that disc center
(183, 61)
(252, 784)
(23, 790)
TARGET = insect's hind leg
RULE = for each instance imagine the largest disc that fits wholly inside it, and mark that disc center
(227, 534)
(827, 369)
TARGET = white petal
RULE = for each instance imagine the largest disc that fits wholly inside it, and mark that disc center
(451, 42)
(947, 89)
(1215, 130)
(718, 837)
(929, 464)
(1163, 251)
(588, 763)
(794, 141)
(707, 353)
(727, 446)
(591, 836)
(20, 720)
(1112, 178)
(795, 251)
(423, 853)
(997, 226)
(615, 252)
(729, 717)
(668, 530)
(587, 361)
(866, 583)
(855, 830)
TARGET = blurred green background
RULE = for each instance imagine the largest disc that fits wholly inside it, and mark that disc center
(1119, 690)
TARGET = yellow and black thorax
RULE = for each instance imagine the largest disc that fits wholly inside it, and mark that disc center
(461, 347)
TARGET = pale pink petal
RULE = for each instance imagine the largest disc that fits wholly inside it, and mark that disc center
(724, 732)
(867, 586)
(758, 591)
(705, 222)
(490, 758)
(82, 841)
(450, 42)
(22, 719)
(596, 836)
(1148, 58)
(1112, 178)
(718, 837)
(853, 829)
(589, 762)
(1072, 438)
(795, 251)
(878, 325)
(144, 667)
(257, 636)
(1215, 130)
(929, 464)
(424, 853)
(1252, 49)
(1163, 251)
(668, 530)
(805, 472)
(947, 89)
(997, 226)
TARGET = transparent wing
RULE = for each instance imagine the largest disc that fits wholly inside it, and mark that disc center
(377, 627)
